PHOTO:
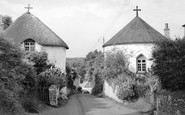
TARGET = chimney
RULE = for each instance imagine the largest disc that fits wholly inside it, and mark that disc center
(166, 31)
(184, 28)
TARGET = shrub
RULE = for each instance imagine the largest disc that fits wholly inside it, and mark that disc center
(98, 87)
(11, 79)
(126, 83)
(126, 94)
(39, 61)
(70, 77)
(116, 63)
(169, 64)
(52, 76)
(117, 70)
(141, 90)
(79, 89)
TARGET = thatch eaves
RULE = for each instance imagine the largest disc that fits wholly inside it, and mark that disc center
(28, 26)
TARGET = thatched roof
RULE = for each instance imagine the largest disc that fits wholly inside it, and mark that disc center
(28, 26)
(137, 31)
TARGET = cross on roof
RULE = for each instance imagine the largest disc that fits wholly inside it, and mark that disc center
(28, 8)
(137, 10)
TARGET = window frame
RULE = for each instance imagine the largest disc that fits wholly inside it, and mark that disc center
(29, 45)
(141, 64)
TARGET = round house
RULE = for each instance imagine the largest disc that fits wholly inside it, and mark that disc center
(137, 40)
(31, 34)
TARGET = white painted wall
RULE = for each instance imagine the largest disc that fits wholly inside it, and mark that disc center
(134, 50)
(111, 92)
(56, 55)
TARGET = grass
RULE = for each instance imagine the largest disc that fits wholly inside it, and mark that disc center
(141, 105)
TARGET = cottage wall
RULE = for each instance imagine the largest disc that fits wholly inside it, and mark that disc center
(133, 51)
(56, 55)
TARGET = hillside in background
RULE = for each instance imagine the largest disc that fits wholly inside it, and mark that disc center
(76, 60)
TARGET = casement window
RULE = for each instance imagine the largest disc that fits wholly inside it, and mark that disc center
(141, 64)
(29, 45)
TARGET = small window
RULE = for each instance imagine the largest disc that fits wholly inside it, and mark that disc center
(29, 45)
(141, 64)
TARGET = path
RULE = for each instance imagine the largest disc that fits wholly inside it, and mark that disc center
(90, 105)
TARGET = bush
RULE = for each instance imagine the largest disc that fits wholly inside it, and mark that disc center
(16, 79)
(169, 64)
(117, 70)
(10, 103)
(116, 64)
(52, 76)
(71, 75)
(126, 94)
(39, 60)
(79, 89)
(141, 90)
(98, 87)
(126, 83)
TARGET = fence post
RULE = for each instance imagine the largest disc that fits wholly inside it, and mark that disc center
(157, 104)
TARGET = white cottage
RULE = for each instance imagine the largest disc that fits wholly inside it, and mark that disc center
(138, 39)
(30, 34)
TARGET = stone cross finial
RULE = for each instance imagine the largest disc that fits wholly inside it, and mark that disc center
(28, 8)
(137, 10)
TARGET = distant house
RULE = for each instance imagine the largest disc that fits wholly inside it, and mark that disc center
(31, 34)
(138, 39)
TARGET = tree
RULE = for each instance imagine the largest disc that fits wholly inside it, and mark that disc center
(17, 78)
(7, 21)
(78, 64)
(169, 64)
(116, 63)
(94, 61)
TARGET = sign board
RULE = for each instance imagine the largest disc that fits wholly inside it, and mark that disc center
(53, 95)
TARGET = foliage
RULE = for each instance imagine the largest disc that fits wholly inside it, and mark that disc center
(126, 83)
(78, 64)
(7, 21)
(52, 76)
(16, 79)
(171, 103)
(117, 70)
(39, 60)
(169, 64)
(98, 88)
(116, 63)
(71, 74)
(94, 62)
(94, 59)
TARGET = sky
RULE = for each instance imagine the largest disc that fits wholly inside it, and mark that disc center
(83, 24)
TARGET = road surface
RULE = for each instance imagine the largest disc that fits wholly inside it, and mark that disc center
(90, 105)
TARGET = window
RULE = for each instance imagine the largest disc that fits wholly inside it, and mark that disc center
(29, 45)
(141, 64)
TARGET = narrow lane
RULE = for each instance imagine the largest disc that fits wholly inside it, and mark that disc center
(89, 105)
(100, 106)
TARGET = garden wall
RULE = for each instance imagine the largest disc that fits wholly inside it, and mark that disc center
(111, 91)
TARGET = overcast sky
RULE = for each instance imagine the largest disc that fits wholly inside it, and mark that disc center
(82, 24)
